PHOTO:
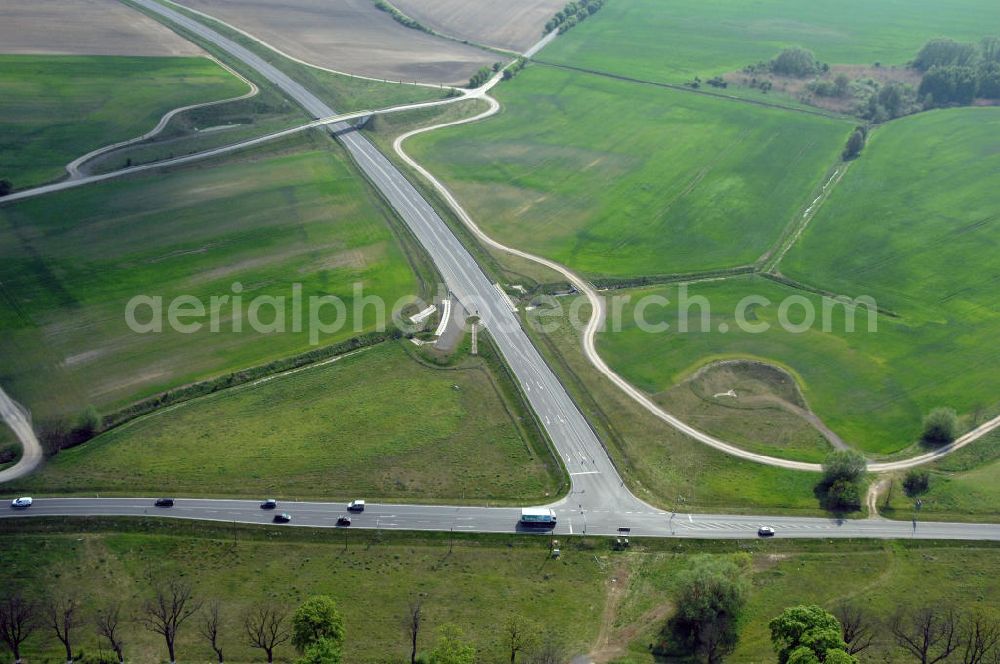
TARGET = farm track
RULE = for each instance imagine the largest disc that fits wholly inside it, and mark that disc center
(74, 168)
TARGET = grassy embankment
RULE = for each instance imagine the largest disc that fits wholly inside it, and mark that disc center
(473, 580)
(376, 423)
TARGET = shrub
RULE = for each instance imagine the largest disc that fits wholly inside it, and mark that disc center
(940, 426)
(916, 482)
(846, 465)
(797, 62)
(843, 496)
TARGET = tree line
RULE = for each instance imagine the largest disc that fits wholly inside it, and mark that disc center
(572, 14)
(314, 631)
(712, 596)
(958, 73)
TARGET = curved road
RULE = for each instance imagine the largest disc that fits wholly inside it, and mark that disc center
(599, 502)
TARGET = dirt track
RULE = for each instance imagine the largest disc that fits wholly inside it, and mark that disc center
(349, 36)
(514, 24)
(85, 27)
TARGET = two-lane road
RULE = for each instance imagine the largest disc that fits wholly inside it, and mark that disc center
(572, 520)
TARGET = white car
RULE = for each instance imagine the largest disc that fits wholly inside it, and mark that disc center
(356, 506)
(21, 503)
(765, 531)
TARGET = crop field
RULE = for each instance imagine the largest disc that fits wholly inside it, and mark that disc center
(351, 36)
(621, 179)
(515, 24)
(295, 212)
(98, 27)
(673, 42)
(56, 108)
(873, 388)
(372, 576)
(914, 223)
(376, 423)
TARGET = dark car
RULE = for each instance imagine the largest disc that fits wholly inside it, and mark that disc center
(765, 531)
(344, 521)
(269, 504)
(164, 502)
(282, 518)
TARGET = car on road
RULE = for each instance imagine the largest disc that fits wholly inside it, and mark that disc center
(269, 504)
(344, 520)
(356, 506)
(21, 503)
(164, 502)
(284, 517)
(765, 531)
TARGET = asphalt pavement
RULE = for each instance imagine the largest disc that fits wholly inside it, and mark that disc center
(599, 502)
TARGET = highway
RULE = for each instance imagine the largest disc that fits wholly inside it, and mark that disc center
(599, 502)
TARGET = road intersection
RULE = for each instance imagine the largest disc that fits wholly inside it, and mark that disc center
(599, 502)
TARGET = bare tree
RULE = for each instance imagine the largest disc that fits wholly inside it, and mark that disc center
(550, 652)
(167, 611)
(63, 615)
(18, 619)
(414, 619)
(856, 625)
(930, 634)
(980, 636)
(210, 629)
(108, 622)
(266, 629)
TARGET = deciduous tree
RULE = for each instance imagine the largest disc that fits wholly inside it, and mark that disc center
(63, 615)
(108, 621)
(929, 634)
(18, 619)
(171, 606)
(266, 629)
(808, 635)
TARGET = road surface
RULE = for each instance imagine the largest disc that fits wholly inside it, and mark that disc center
(571, 521)
(599, 502)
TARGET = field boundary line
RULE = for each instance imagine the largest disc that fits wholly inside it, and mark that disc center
(683, 88)
(597, 320)
(73, 167)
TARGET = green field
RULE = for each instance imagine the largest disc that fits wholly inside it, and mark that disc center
(872, 388)
(376, 423)
(675, 41)
(621, 179)
(661, 465)
(54, 108)
(914, 223)
(373, 577)
(880, 578)
(295, 212)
